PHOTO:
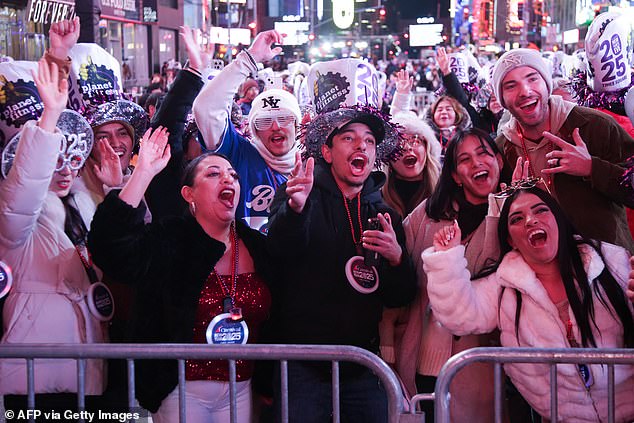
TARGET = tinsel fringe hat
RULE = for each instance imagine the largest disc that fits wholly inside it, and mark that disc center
(345, 91)
(129, 114)
(324, 126)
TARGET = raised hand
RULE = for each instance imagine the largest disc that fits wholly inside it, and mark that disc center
(573, 159)
(63, 36)
(404, 82)
(53, 92)
(154, 152)
(521, 170)
(447, 237)
(443, 60)
(198, 57)
(108, 170)
(384, 242)
(300, 183)
(261, 48)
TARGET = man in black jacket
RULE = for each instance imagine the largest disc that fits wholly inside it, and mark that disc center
(327, 294)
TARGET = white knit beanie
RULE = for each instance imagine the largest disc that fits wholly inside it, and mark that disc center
(514, 59)
(271, 101)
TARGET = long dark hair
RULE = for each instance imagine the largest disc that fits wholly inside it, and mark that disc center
(571, 267)
(441, 204)
(74, 226)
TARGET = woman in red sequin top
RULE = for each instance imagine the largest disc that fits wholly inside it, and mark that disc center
(187, 271)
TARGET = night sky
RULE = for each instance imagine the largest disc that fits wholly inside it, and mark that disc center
(419, 8)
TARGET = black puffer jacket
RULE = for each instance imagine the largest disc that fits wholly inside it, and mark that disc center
(168, 263)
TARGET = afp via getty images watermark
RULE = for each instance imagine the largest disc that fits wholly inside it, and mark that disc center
(53, 415)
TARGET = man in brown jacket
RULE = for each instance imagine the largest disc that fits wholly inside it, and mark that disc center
(576, 150)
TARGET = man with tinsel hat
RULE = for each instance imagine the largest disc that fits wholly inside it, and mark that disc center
(576, 151)
(264, 161)
(345, 256)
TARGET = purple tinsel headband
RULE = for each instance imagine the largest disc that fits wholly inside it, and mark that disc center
(315, 133)
(609, 100)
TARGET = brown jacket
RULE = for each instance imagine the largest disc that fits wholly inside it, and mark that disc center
(595, 205)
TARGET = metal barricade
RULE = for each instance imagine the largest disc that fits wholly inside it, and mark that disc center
(422, 100)
(500, 356)
(183, 352)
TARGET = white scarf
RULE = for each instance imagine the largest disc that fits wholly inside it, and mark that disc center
(283, 164)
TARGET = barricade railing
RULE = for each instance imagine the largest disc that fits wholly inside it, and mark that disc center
(231, 353)
(500, 356)
(422, 100)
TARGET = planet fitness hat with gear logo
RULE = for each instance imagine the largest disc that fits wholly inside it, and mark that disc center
(609, 51)
(95, 77)
(74, 150)
(19, 99)
(343, 82)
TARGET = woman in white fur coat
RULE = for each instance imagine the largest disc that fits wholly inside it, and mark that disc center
(43, 226)
(552, 289)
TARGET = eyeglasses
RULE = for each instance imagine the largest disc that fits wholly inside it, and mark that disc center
(74, 161)
(264, 123)
(528, 183)
(412, 141)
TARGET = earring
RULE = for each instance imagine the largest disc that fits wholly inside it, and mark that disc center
(192, 208)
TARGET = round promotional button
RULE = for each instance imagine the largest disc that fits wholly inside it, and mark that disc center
(6, 279)
(226, 329)
(363, 278)
(100, 302)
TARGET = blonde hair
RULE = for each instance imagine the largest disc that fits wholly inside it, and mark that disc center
(412, 125)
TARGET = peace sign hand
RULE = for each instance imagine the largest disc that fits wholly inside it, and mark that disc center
(300, 183)
(573, 159)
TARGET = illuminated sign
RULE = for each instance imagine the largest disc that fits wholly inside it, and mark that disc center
(343, 13)
(427, 20)
(572, 36)
(584, 12)
(48, 12)
(514, 21)
(425, 35)
(127, 9)
(219, 35)
(296, 32)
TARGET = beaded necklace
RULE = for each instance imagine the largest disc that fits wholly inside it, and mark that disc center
(87, 262)
(357, 243)
(228, 301)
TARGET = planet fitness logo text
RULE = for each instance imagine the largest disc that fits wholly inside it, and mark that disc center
(97, 83)
(19, 102)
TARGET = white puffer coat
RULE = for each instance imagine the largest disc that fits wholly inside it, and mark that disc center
(465, 307)
(47, 301)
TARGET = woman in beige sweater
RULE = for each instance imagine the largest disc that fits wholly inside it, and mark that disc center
(412, 339)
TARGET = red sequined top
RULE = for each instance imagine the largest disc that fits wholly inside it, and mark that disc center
(254, 297)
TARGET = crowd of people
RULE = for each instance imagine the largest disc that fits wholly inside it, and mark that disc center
(316, 207)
